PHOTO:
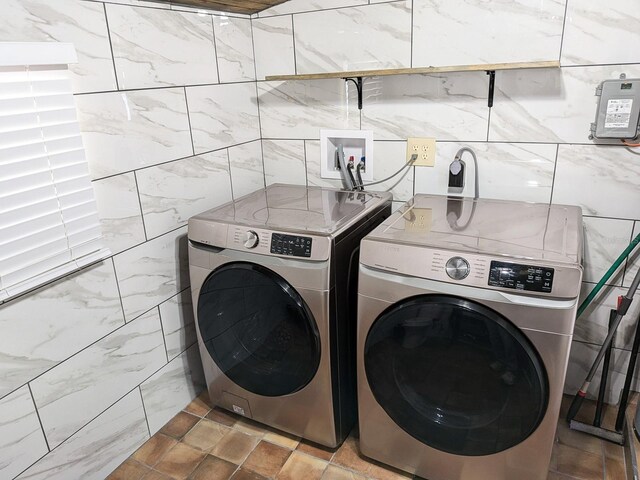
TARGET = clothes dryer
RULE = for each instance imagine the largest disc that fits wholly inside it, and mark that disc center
(466, 311)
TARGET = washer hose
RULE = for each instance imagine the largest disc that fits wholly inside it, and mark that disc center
(627, 251)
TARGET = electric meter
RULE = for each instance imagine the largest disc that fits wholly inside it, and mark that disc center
(618, 113)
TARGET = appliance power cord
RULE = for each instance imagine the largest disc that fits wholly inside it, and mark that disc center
(411, 161)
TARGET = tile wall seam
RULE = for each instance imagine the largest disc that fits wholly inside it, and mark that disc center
(264, 170)
(164, 339)
(161, 87)
(553, 178)
(626, 262)
(144, 409)
(183, 351)
(295, 56)
(195, 85)
(306, 170)
(35, 408)
(142, 215)
(588, 65)
(32, 464)
(564, 26)
(306, 166)
(230, 176)
(99, 339)
(113, 57)
(587, 215)
(186, 102)
(173, 160)
(75, 272)
(411, 34)
(215, 55)
(115, 276)
(514, 142)
(592, 344)
(255, 76)
(255, 63)
(206, 11)
(108, 407)
(94, 418)
(194, 321)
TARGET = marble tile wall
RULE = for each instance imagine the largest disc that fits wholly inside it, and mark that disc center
(155, 48)
(177, 118)
(382, 41)
(486, 31)
(94, 363)
(532, 145)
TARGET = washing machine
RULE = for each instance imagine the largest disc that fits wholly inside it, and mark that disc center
(466, 310)
(274, 285)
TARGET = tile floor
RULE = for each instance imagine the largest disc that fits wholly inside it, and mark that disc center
(205, 443)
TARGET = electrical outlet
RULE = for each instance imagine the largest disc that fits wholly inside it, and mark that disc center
(425, 148)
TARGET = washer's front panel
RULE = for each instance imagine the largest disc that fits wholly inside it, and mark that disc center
(258, 330)
(308, 410)
(259, 240)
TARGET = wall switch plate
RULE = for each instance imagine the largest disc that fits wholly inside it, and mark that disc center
(425, 148)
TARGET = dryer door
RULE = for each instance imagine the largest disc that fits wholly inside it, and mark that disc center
(455, 374)
(258, 329)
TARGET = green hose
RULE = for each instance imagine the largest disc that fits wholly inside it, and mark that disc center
(607, 275)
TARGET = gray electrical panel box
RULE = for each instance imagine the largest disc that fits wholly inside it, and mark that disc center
(618, 111)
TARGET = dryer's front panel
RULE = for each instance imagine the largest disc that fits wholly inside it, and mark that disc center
(455, 375)
(450, 388)
(258, 329)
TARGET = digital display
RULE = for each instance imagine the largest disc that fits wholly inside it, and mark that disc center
(521, 277)
(626, 86)
(293, 245)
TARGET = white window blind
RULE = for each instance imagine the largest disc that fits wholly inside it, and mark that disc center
(48, 218)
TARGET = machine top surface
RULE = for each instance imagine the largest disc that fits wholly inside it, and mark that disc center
(297, 208)
(499, 228)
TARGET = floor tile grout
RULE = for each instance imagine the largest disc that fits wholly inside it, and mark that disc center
(566, 441)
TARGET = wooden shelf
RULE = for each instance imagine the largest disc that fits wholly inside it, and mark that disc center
(233, 6)
(488, 67)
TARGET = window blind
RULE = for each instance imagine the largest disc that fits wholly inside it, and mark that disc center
(49, 223)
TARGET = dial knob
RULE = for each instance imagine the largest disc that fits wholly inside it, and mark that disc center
(457, 268)
(251, 239)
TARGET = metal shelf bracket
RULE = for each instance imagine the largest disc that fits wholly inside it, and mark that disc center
(492, 85)
(358, 83)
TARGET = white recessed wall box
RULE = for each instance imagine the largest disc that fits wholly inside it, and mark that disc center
(355, 143)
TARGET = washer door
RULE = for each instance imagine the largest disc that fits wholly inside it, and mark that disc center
(455, 375)
(258, 329)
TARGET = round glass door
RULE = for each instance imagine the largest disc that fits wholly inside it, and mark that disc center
(258, 329)
(455, 375)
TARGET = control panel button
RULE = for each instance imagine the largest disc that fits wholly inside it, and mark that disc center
(521, 277)
(457, 268)
(293, 245)
(251, 239)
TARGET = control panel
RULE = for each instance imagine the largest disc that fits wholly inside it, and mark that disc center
(292, 245)
(521, 277)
